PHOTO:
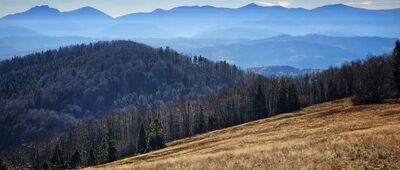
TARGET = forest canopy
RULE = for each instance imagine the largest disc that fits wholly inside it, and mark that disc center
(49, 92)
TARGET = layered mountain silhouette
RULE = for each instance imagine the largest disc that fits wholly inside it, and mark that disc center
(249, 36)
(190, 21)
(47, 13)
(309, 51)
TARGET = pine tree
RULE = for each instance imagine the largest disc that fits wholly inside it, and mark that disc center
(156, 136)
(396, 68)
(75, 160)
(103, 151)
(160, 135)
(112, 150)
(200, 122)
(142, 144)
(211, 123)
(260, 104)
(151, 138)
(57, 158)
(332, 91)
(92, 158)
(293, 99)
(45, 166)
(282, 100)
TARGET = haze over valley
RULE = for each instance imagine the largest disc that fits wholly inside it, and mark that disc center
(322, 36)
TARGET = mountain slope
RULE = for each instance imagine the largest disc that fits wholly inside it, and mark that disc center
(331, 135)
(49, 92)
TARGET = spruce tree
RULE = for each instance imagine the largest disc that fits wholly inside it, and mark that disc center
(293, 99)
(103, 151)
(396, 68)
(156, 136)
(92, 158)
(57, 158)
(75, 160)
(142, 140)
(211, 123)
(160, 135)
(112, 150)
(332, 91)
(260, 104)
(45, 166)
(151, 138)
(200, 122)
(282, 100)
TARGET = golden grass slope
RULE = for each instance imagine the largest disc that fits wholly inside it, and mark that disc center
(331, 135)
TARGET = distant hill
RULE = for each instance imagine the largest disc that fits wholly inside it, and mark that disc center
(237, 33)
(48, 92)
(282, 71)
(251, 21)
(310, 51)
(24, 45)
(354, 135)
(17, 31)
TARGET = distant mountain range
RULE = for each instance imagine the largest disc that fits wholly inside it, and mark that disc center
(250, 21)
(310, 51)
(250, 36)
(269, 71)
(11, 46)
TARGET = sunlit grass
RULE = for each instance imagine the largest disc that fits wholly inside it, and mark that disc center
(332, 135)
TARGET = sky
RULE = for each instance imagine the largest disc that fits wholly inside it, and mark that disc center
(122, 7)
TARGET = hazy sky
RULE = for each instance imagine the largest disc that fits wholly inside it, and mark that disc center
(122, 7)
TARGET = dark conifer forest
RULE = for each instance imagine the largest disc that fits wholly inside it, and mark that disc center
(121, 98)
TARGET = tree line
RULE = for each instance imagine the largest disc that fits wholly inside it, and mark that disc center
(148, 128)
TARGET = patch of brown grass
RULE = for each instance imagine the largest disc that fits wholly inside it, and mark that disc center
(334, 135)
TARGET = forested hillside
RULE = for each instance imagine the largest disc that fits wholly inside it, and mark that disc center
(48, 92)
(124, 133)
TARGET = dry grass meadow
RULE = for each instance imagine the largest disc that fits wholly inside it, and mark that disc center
(333, 135)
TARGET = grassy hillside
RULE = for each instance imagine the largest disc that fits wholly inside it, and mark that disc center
(326, 136)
